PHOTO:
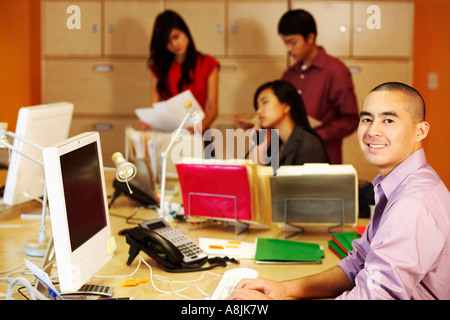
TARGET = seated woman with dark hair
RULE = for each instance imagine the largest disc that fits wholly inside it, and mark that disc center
(279, 106)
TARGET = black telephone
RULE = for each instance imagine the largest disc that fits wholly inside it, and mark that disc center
(137, 194)
(169, 248)
(155, 246)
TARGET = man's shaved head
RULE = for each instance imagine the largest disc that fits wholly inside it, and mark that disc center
(416, 108)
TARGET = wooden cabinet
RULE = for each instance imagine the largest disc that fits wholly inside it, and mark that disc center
(102, 86)
(393, 39)
(345, 28)
(58, 39)
(253, 28)
(109, 27)
(235, 27)
(206, 22)
(101, 67)
(332, 22)
(239, 79)
(128, 26)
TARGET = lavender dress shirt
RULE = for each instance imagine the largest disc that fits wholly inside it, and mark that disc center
(405, 250)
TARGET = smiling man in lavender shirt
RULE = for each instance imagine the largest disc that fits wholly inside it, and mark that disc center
(405, 251)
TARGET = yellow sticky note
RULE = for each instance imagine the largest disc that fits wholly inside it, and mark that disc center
(112, 245)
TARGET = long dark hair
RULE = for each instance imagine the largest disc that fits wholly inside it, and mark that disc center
(162, 59)
(288, 94)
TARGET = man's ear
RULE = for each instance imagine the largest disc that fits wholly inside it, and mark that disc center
(422, 130)
(311, 38)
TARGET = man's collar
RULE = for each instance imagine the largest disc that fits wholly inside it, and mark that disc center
(319, 60)
(400, 172)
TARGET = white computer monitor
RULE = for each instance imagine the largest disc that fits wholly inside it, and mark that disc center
(43, 125)
(78, 209)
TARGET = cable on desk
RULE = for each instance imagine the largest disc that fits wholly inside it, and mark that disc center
(177, 292)
(128, 219)
(161, 278)
(34, 294)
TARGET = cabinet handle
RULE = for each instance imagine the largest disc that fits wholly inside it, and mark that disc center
(359, 29)
(94, 28)
(228, 68)
(234, 29)
(218, 28)
(110, 28)
(354, 69)
(103, 68)
(102, 126)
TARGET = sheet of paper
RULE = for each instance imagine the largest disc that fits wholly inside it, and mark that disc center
(167, 115)
(43, 276)
(314, 123)
(229, 248)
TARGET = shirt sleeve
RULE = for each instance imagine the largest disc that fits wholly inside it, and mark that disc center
(209, 64)
(405, 246)
(342, 100)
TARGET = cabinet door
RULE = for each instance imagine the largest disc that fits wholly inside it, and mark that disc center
(239, 79)
(206, 22)
(98, 86)
(367, 74)
(253, 28)
(332, 23)
(58, 39)
(129, 25)
(111, 130)
(393, 39)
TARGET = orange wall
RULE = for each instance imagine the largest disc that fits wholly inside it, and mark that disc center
(432, 54)
(20, 75)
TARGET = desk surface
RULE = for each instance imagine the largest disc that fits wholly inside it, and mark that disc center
(14, 231)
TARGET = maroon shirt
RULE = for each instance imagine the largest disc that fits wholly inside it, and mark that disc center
(327, 90)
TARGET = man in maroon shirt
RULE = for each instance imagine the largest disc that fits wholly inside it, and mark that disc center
(324, 82)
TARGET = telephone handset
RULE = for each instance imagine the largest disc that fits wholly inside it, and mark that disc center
(138, 194)
(169, 247)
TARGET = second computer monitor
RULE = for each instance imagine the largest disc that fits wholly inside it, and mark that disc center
(43, 125)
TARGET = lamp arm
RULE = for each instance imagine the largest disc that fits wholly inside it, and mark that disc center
(164, 163)
(5, 143)
(42, 236)
(13, 135)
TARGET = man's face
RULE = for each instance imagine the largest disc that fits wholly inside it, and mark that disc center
(387, 134)
(298, 48)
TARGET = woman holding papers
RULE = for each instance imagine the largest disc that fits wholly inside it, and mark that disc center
(279, 106)
(177, 66)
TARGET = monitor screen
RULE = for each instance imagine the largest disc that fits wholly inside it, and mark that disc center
(43, 125)
(80, 172)
(78, 208)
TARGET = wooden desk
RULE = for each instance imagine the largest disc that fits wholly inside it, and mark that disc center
(14, 231)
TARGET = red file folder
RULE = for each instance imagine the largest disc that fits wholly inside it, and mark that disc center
(216, 191)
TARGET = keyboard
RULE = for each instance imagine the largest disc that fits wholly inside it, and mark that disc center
(229, 280)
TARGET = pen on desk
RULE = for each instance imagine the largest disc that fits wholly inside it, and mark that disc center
(125, 298)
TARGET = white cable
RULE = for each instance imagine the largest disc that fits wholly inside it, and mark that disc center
(165, 279)
(23, 282)
(122, 276)
(177, 292)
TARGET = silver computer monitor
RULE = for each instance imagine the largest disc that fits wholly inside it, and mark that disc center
(78, 209)
(43, 125)
(315, 194)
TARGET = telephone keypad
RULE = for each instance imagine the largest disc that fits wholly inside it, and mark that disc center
(190, 250)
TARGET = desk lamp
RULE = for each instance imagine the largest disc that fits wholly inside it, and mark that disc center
(195, 115)
(4, 143)
(125, 170)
